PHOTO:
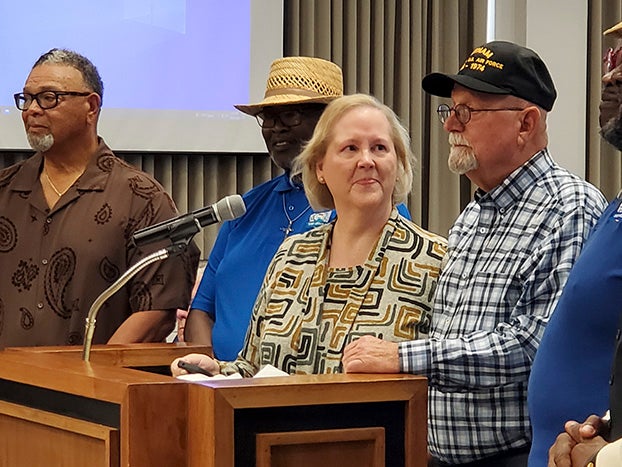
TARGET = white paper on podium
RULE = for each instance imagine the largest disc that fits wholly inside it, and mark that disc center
(200, 377)
(266, 372)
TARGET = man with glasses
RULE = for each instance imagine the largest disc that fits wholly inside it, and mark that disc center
(509, 254)
(67, 215)
(297, 91)
(573, 376)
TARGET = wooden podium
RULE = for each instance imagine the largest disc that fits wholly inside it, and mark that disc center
(57, 410)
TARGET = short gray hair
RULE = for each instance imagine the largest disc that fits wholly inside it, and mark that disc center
(89, 72)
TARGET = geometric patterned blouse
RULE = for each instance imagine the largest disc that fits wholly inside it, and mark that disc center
(306, 313)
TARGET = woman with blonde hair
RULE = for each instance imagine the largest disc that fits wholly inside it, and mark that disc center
(369, 272)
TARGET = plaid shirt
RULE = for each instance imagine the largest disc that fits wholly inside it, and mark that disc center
(508, 258)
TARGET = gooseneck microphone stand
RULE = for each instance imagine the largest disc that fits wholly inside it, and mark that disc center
(179, 245)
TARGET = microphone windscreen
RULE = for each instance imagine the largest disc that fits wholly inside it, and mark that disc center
(230, 207)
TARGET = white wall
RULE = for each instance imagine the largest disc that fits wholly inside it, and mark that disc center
(557, 31)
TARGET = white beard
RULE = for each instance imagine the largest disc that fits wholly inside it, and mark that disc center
(462, 158)
(40, 143)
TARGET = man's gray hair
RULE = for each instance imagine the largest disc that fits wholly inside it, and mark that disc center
(79, 62)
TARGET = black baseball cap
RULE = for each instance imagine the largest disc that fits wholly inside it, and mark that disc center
(499, 67)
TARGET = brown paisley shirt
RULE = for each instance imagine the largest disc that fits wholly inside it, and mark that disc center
(55, 262)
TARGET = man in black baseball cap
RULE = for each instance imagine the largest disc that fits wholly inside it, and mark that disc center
(509, 255)
(500, 88)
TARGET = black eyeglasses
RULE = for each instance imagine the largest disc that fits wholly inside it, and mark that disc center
(612, 59)
(463, 112)
(288, 118)
(45, 99)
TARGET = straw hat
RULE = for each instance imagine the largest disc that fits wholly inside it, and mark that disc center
(617, 29)
(299, 80)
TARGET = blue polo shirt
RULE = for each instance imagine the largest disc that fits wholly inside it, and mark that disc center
(243, 249)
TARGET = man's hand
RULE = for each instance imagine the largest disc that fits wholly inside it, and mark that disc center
(371, 355)
(594, 426)
(586, 449)
(578, 443)
(559, 453)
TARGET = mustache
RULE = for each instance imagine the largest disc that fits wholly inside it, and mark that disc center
(457, 139)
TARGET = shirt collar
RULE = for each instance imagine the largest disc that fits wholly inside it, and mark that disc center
(285, 184)
(518, 182)
(28, 174)
(93, 179)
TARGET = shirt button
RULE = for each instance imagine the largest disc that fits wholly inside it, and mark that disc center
(482, 230)
(502, 210)
(464, 275)
(291, 208)
(40, 305)
(44, 261)
(48, 220)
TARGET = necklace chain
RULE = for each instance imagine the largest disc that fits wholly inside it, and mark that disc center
(56, 190)
(287, 230)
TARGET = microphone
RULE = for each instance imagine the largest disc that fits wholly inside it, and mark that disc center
(189, 224)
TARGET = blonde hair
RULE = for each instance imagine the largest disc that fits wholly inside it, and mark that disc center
(304, 165)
